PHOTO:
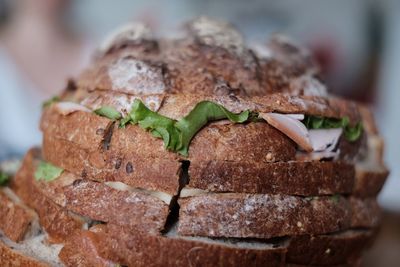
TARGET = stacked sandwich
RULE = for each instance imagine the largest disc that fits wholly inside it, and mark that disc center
(196, 151)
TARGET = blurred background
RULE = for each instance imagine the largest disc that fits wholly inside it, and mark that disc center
(357, 43)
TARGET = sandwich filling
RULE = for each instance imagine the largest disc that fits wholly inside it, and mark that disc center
(315, 135)
(310, 133)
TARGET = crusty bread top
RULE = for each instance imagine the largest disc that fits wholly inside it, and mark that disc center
(211, 61)
(211, 57)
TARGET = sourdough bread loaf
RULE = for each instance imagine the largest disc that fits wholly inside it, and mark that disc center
(196, 151)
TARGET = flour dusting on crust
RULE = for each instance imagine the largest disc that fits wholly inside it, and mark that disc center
(131, 32)
(217, 33)
(136, 77)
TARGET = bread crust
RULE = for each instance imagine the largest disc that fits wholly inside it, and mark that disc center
(81, 250)
(81, 128)
(57, 222)
(15, 219)
(100, 202)
(366, 213)
(369, 183)
(103, 203)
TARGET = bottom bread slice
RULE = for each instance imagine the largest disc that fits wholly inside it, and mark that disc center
(93, 247)
(127, 247)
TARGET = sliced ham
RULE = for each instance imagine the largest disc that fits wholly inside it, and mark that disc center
(292, 128)
(299, 117)
(314, 140)
(66, 108)
(324, 139)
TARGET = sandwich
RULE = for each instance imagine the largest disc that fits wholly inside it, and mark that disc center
(196, 151)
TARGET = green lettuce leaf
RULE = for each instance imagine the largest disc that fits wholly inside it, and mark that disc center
(108, 112)
(4, 178)
(47, 172)
(203, 113)
(50, 101)
(178, 134)
(351, 133)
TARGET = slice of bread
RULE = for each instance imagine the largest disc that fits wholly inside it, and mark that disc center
(131, 169)
(105, 202)
(265, 216)
(261, 215)
(371, 172)
(16, 220)
(292, 178)
(129, 247)
(366, 212)
(134, 248)
(55, 220)
(82, 250)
